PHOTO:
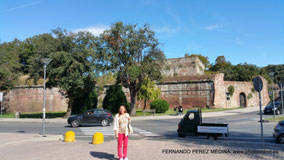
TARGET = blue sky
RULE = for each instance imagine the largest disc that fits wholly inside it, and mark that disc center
(249, 31)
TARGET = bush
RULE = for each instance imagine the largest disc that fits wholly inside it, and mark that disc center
(114, 98)
(160, 105)
(231, 90)
(249, 96)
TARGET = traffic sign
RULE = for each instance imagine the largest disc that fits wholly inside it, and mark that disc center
(257, 83)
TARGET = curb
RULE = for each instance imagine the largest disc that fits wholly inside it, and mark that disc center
(139, 118)
(38, 138)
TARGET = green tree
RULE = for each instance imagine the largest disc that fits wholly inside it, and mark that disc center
(220, 64)
(148, 91)
(9, 64)
(132, 52)
(278, 71)
(73, 62)
(114, 98)
(87, 100)
(203, 59)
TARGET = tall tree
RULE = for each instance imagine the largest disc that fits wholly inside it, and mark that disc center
(203, 59)
(73, 66)
(9, 64)
(73, 63)
(148, 91)
(134, 53)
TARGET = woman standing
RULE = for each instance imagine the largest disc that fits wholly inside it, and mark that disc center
(121, 129)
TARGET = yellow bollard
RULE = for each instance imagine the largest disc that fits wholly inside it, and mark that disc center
(69, 136)
(98, 138)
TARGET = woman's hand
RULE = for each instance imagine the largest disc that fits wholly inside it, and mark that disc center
(116, 135)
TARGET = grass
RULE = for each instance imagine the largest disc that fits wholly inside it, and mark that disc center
(276, 119)
(35, 115)
(172, 112)
(138, 113)
(7, 115)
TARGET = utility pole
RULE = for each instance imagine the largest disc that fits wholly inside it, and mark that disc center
(45, 62)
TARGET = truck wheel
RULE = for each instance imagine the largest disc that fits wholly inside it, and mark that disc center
(212, 136)
(280, 139)
(181, 135)
(75, 123)
(215, 137)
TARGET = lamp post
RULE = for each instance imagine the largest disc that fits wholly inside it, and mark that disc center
(45, 62)
(271, 75)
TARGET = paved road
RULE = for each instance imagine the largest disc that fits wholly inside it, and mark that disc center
(244, 128)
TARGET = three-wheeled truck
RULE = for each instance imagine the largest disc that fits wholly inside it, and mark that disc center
(191, 124)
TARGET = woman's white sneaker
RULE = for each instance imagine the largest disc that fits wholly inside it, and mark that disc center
(125, 158)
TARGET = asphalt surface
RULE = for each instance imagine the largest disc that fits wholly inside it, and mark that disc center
(244, 130)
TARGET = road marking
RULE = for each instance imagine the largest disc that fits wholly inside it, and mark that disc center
(108, 131)
(145, 132)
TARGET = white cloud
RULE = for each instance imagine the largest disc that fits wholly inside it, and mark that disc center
(215, 27)
(95, 30)
(22, 6)
(166, 29)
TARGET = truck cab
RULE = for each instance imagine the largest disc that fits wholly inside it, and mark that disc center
(188, 124)
(191, 124)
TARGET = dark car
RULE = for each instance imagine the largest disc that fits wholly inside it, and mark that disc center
(279, 132)
(269, 108)
(93, 116)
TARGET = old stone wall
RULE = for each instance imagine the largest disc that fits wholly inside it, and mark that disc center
(186, 66)
(30, 99)
(241, 89)
(187, 94)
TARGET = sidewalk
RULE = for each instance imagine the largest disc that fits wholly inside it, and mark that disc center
(137, 150)
(206, 114)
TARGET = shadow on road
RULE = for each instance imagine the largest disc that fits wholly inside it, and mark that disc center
(101, 155)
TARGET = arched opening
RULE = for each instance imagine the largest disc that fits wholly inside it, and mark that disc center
(243, 100)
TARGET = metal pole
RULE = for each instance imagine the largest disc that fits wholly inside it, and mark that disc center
(261, 121)
(43, 109)
(273, 102)
(282, 96)
(1, 108)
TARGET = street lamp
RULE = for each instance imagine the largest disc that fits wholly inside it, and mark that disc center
(45, 62)
(271, 75)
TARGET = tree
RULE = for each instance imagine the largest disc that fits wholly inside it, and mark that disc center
(278, 71)
(239, 72)
(203, 59)
(114, 98)
(133, 53)
(73, 62)
(73, 66)
(9, 64)
(220, 64)
(88, 99)
(148, 91)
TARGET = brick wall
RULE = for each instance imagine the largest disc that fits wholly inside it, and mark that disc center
(30, 99)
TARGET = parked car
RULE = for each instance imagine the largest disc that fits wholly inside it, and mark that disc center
(269, 108)
(279, 132)
(93, 116)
